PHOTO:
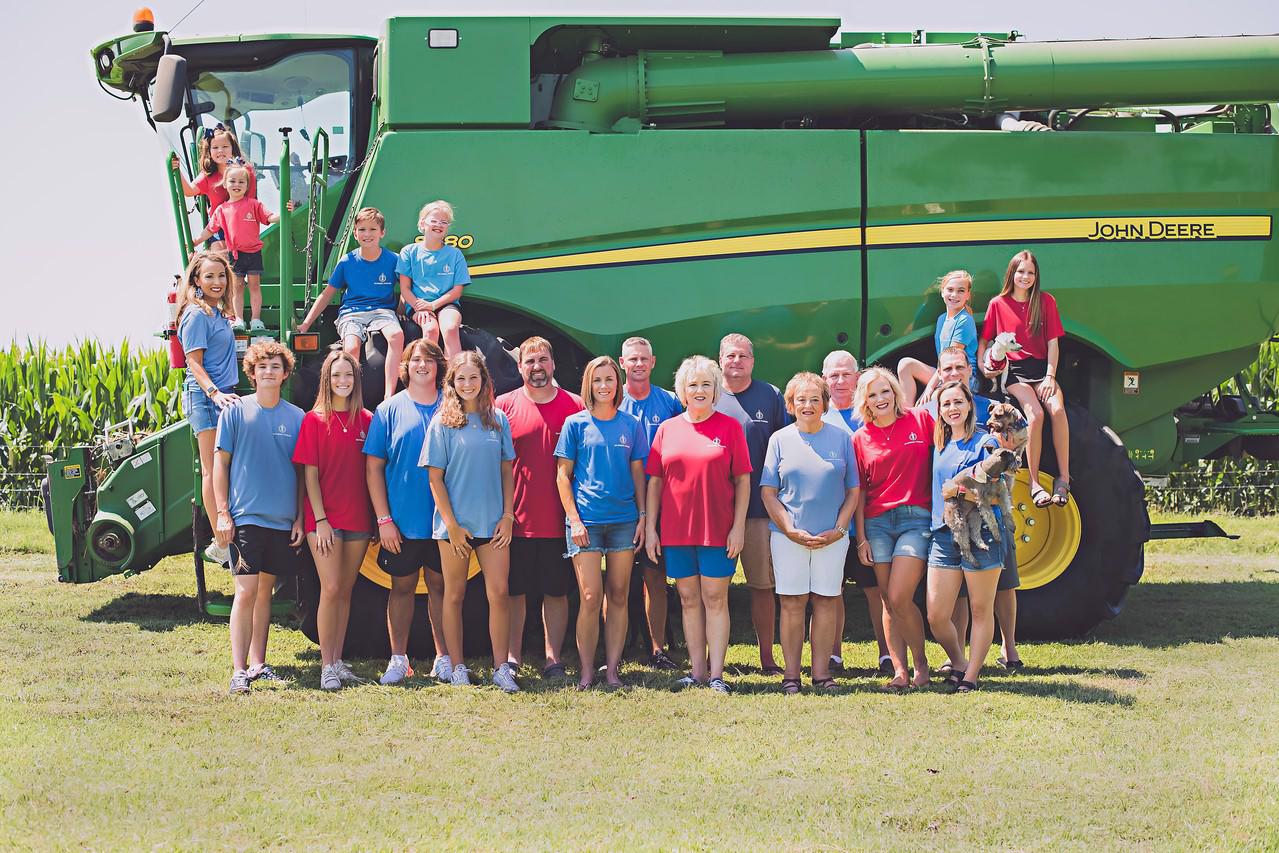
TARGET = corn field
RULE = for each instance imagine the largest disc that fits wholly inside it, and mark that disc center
(53, 398)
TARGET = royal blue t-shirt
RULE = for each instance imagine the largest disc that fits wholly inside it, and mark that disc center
(960, 329)
(658, 406)
(602, 453)
(812, 472)
(369, 285)
(264, 485)
(200, 331)
(953, 458)
(845, 419)
(397, 434)
(471, 457)
(761, 411)
(434, 272)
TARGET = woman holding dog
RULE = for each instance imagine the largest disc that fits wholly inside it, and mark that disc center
(958, 444)
(894, 519)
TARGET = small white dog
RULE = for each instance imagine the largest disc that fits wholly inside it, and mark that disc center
(996, 359)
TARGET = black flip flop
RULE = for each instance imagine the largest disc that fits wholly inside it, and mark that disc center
(965, 687)
(790, 686)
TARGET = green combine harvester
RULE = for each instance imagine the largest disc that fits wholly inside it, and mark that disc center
(681, 178)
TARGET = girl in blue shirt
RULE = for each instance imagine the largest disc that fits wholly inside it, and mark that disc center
(959, 443)
(600, 474)
(432, 276)
(469, 453)
(956, 326)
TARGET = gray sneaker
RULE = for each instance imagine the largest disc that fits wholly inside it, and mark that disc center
(330, 679)
(239, 682)
(397, 670)
(265, 673)
(345, 675)
(442, 669)
(505, 679)
(719, 685)
(461, 676)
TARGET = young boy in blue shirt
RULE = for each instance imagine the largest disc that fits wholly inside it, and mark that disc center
(368, 277)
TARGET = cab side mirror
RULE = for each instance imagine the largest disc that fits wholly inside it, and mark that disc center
(170, 88)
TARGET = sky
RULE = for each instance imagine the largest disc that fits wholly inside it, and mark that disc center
(86, 194)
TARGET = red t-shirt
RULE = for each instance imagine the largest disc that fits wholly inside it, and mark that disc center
(241, 221)
(1005, 314)
(211, 186)
(535, 430)
(697, 464)
(895, 463)
(339, 454)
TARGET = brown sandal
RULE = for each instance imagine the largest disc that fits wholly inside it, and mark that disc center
(1061, 492)
(826, 684)
(790, 686)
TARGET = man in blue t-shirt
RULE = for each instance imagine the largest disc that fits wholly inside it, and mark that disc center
(651, 405)
(953, 366)
(841, 373)
(372, 294)
(760, 409)
(259, 492)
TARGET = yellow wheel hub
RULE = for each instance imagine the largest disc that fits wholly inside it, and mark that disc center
(1047, 538)
(371, 570)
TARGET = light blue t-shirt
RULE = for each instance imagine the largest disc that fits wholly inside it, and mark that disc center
(602, 453)
(953, 458)
(200, 331)
(812, 473)
(397, 434)
(369, 285)
(981, 407)
(960, 329)
(472, 461)
(434, 272)
(264, 485)
(845, 419)
(658, 406)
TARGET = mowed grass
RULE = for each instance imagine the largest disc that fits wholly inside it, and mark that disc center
(1159, 731)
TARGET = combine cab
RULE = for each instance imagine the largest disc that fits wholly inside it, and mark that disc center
(683, 178)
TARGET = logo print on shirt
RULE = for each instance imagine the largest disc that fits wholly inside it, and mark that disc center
(249, 217)
(447, 270)
(655, 419)
(381, 278)
(622, 442)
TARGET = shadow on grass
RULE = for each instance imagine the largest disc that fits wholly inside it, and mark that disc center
(149, 611)
(1173, 614)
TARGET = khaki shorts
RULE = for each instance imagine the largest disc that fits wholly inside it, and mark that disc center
(361, 323)
(757, 556)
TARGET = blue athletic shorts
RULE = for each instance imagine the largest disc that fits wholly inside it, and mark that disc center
(709, 561)
(903, 531)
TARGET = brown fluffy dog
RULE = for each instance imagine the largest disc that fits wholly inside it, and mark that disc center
(978, 487)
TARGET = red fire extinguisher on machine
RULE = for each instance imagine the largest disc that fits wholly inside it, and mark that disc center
(177, 357)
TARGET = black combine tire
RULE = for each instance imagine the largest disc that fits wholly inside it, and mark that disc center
(500, 362)
(366, 635)
(1114, 527)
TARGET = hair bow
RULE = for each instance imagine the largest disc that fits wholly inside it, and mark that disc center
(209, 131)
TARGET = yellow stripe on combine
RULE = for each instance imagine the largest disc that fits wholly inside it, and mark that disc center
(790, 241)
(1077, 229)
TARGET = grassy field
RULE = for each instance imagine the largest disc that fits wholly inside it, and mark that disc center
(1161, 731)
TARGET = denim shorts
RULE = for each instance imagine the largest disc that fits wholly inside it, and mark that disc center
(605, 538)
(903, 531)
(201, 411)
(945, 553)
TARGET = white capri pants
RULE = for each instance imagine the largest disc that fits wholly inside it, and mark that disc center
(798, 570)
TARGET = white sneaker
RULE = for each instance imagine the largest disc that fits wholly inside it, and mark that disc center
(461, 676)
(345, 675)
(442, 670)
(505, 679)
(239, 682)
(220, 554)
(329, 678)
(397, 670)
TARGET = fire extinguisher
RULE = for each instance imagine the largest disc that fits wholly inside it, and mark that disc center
(177, 358)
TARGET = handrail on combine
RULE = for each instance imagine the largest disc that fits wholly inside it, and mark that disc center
(179, 208)
(287, 320)
(316, 213)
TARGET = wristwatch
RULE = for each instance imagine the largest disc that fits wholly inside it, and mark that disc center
(211, 390)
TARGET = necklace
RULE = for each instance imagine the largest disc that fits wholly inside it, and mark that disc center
(889, 431)
(346, 427)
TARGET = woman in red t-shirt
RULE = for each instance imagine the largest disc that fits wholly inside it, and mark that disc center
(337, 513)
(1031, 314)
(699, 469)
(894, 519)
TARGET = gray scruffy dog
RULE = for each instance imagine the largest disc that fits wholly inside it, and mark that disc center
(978, 487)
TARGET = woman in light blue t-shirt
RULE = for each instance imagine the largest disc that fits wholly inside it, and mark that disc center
(600, 474)
(469, 453)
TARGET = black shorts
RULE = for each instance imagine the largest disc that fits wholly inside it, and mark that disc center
(245, 263)
(414, 555)
(539, 565)
(1027, 370)
(263, 550)
(856, 572)
(642, 560)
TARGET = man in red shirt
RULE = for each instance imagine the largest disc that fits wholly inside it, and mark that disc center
(537, 411)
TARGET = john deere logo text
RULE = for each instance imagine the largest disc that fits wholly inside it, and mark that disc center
(1155, 229)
